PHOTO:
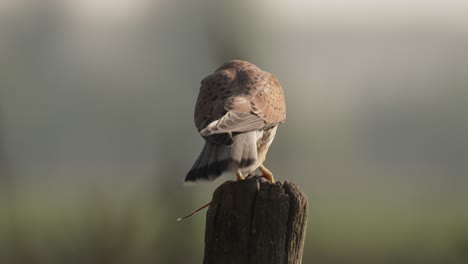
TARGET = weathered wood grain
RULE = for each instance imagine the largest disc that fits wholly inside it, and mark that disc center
(255, 221)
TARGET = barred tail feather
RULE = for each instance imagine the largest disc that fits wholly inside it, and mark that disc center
(244, 151)
(215, 159)
(207, 166)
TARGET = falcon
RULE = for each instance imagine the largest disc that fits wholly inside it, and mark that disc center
(238, 110)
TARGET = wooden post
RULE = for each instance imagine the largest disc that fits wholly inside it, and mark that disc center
(256, 222)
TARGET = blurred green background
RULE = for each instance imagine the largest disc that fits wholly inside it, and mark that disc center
(97, 133)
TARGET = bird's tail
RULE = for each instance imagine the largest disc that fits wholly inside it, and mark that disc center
(215, 159)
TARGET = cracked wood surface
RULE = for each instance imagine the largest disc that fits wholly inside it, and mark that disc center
(255, 221)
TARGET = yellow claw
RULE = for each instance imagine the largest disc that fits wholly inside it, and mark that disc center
(240, 176)
(267, 174)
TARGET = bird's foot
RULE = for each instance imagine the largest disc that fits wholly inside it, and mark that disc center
(239, 176)
(267, 174)
(250, 175)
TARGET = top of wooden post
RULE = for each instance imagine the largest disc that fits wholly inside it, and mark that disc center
(255, 221)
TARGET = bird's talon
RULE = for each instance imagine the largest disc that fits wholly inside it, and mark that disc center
(239, 176)
(267, 174)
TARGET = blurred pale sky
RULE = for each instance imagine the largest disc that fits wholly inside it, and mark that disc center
(367, 13)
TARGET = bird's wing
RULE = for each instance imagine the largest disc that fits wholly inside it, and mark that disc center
(239, 102)
(268, 101)
(233, 122)
(214, 90)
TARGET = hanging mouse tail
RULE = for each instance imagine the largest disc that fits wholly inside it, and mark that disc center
(194, 212)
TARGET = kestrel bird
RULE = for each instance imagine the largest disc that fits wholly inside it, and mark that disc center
(237, 112)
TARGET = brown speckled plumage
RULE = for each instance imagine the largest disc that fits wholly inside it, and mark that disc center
(243, 87)
(238, 106)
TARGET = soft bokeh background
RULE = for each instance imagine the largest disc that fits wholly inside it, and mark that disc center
(96, 129)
